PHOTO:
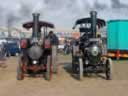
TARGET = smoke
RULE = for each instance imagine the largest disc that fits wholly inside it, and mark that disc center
(25, 10)
(100, 6)
(1, 15)
(62, 13)
(117, 4)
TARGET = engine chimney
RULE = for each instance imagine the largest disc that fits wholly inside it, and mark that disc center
(93, 22)
(35, 24)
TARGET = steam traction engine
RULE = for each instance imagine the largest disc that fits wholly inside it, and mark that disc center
(89, 52)
(36, 52)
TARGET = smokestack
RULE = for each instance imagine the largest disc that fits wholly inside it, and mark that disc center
(35, 24)
(93, 22)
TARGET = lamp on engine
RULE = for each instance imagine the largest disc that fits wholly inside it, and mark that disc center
(91, 55)
(36, 52)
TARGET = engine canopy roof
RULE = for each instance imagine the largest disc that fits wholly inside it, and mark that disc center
(100, 22)
(30, 24)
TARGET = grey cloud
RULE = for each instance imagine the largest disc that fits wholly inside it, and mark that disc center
(61, 12)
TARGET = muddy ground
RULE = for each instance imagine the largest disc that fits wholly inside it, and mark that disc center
(63, 84)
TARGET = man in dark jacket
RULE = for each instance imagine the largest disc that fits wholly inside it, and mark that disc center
(54, 41)
(54, 38)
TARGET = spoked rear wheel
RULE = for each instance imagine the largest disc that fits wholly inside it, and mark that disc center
(20, 74)
(81, 70)
(109, 69)
(74, 65)
(48, 70)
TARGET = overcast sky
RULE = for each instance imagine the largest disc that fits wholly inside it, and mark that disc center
(62, 13)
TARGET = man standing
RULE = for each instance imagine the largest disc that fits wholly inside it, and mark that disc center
(54, 42)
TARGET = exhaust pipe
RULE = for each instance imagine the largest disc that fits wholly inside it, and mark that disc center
(35, 24)
(93, 15)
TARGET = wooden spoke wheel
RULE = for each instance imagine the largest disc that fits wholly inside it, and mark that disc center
(81, 70)
(48, 74)
(108, 69)
(20, 74)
